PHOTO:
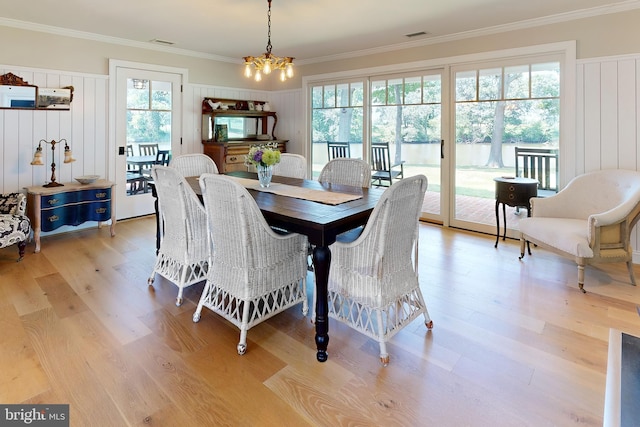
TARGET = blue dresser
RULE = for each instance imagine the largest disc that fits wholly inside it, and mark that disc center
(71, 204)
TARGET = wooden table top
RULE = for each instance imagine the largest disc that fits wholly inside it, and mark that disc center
(321, 223)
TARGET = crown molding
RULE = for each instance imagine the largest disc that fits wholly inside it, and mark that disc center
(520, 25)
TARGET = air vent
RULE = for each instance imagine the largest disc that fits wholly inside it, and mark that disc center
(164, 42)
(420, 33)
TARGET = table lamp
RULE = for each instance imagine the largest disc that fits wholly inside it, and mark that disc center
(37, 159)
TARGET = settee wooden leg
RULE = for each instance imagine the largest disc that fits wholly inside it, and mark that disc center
(522, 244)
(581, 278)
(631, 275)
(21, 248)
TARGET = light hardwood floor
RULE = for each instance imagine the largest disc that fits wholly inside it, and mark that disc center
(514, 342)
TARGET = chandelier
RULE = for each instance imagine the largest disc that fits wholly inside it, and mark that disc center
(268, 62)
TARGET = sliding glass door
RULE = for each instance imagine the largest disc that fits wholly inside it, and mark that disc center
(499, 107)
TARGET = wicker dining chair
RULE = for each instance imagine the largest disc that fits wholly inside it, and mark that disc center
(254, 273)
(291, 165)
(346, 171)
(193, 164)
(183, 257)
(373, 281)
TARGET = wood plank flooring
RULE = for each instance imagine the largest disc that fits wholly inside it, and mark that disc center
(514, 342)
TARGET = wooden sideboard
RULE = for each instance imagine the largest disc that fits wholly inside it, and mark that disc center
(70, 204)
(229, 154)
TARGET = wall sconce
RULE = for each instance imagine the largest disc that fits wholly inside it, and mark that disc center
(37, 159)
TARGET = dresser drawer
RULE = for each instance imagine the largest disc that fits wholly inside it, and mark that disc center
(60, 199)
(95, 194)
(95, 211)
(234, 159)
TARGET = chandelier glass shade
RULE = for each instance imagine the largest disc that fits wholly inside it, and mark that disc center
(256, 66)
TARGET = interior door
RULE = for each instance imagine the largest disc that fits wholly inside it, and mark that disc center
(148, 113)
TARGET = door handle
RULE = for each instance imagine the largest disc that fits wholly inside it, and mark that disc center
(442, 148)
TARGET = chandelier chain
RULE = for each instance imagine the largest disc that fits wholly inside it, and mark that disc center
(269, 47)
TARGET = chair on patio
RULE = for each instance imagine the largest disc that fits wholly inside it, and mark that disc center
(254, 273)
(373, 281)
(183, 257)
(291, 165)
(540, 164)
(193, 164)
(15, 226)
(148, 149)
(338, 149)
(383, 169)
(590, 220)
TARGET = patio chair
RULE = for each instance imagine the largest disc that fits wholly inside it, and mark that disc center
(183, 256)
(337, 149)
(255, 273)
(383, 169)
(193, 164)
(373, 281)
(148, 149)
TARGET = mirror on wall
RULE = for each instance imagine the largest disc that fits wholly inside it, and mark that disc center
(16, 93)
(17, 96)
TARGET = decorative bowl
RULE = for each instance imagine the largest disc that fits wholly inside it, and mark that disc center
(87, 179)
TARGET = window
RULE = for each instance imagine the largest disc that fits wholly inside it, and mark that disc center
(336, 115)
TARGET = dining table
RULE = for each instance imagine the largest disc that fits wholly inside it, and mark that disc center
(320, 221)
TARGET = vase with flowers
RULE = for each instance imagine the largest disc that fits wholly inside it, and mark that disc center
(263, 157)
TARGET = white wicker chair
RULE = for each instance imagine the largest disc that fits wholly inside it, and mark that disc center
(255, 273)
(291, 165)
(373, 283)
(346, 171)
(183, 257)
(193, 164)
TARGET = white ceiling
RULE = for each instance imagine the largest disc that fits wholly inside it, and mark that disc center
(309, 30)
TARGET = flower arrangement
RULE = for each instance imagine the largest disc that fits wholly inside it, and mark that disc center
(263, 155)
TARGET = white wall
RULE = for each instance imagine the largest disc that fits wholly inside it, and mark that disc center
(84, 127)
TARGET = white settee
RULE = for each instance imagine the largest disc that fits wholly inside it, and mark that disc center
(590, 220)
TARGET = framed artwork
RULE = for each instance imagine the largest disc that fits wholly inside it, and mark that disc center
(252, 106)
(222, 133)
(54, 98)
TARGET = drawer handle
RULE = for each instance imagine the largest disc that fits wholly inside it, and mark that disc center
(512, 196)
(512, 188)
(53, 201)
(233, 158)
(101, 195)
(101, 210)
(53, 218)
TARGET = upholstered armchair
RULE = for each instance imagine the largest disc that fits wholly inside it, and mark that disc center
(15, 227)
(590, 220)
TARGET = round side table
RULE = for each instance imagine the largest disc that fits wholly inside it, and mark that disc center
(515, 192)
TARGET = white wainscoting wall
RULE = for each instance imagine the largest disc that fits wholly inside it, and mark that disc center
(608, 114)
(84, 127)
